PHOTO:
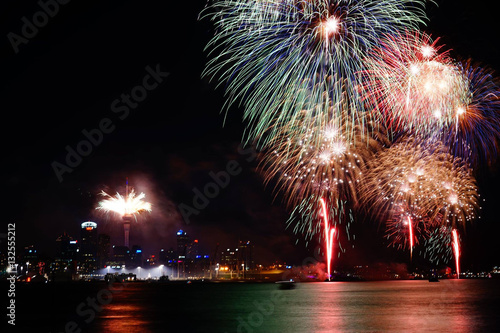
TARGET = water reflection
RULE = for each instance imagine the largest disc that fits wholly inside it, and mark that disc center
(126, 312)
(122, 318)
(402, 306)
(392, 306)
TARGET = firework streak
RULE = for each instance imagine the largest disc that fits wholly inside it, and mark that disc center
(456, 251)
(329, 232)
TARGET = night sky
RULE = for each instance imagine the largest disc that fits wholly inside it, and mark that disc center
(65, 80)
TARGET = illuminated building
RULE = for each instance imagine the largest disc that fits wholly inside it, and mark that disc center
(192, 250)
(65, 262)
(170, 254)
(125, 257)
(162, 256)
(103, 248)
(229, 260)
(66, 248)
(165, 256)
(135, 256)
(29, 259)
(151, 261)
(182, 244)
(245, 255)
(30, 254)
(88, 247)
(121, 257)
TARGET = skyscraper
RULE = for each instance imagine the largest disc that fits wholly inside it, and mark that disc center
(121, 256)
(30, 254)
(182, 244)
(89, 238)
(228, 263)
(192, 250)
(88, 247)
(245, 255)
(135, 256)
(103, 248)
(65, 261)
(66, 248)
(29, 258)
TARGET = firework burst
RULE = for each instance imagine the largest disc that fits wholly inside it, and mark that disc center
(319, 161)
(417, 87)
(423, 179)
(127, 207)
(458, 193)
(401, 175)
(476, 133)
(130, 204)
(268, 51)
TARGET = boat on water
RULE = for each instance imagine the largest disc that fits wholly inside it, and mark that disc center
(433, 275)
(284, 285)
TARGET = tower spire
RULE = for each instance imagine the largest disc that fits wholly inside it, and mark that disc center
(126, 218)
(126, 187)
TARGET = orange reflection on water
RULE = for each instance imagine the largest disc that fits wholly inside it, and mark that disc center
(122, 318)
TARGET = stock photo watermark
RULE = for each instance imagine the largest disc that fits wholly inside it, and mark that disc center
(31, 27)
(11, 270)
(121, 107)
(220, 181)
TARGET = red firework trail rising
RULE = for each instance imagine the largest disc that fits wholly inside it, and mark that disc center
(456, 250)
(410, 228)
(328, 238)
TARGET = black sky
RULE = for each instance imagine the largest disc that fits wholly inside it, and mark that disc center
(65, 79)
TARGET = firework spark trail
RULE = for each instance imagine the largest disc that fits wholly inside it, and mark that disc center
(410, 232)
(456, 251)
(271, 54)
(329, 233)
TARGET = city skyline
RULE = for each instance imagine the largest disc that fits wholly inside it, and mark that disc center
(88, 243)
